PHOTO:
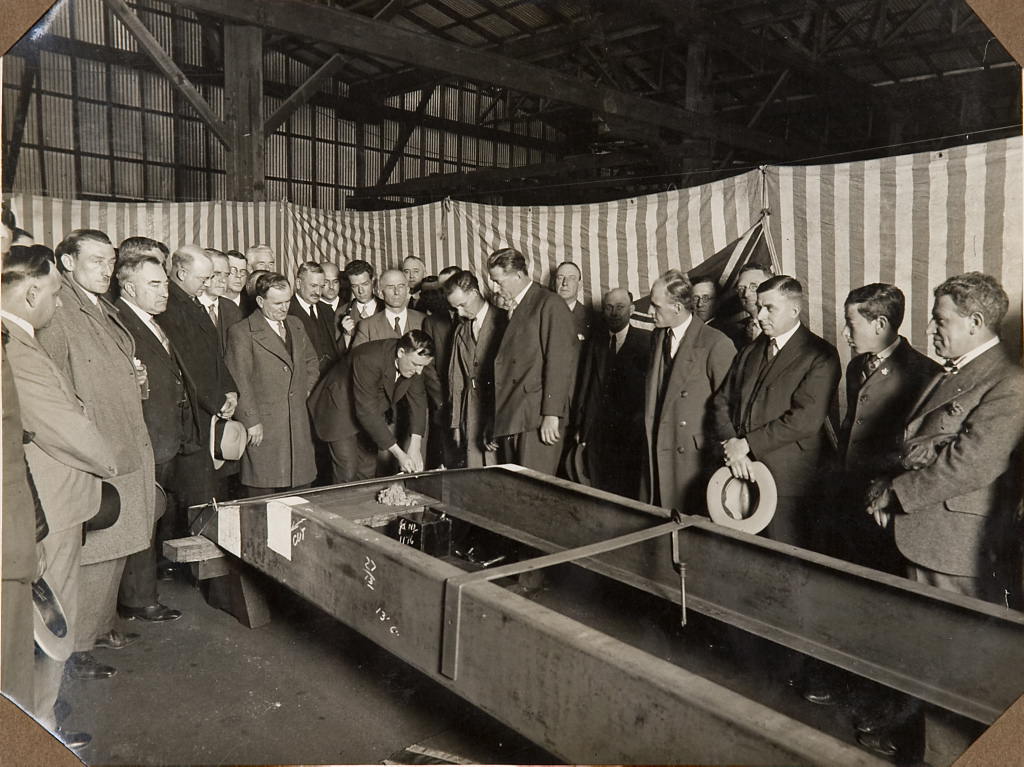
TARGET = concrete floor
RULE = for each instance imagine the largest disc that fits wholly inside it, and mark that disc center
(303, 689)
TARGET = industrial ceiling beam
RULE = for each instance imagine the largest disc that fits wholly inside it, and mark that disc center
(304, 93)
(354, 32)
(403, 138)
(166, 64)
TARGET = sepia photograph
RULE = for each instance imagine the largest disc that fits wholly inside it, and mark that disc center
(512, 382)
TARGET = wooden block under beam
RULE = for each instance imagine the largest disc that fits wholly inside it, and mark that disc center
(194, 548)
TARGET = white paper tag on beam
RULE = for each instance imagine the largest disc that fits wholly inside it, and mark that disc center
(279, 527)
(229, 530)
(289, 500)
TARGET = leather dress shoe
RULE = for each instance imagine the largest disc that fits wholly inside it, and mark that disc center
(115, 640)
(872, 724)
(879, 743)
(74, 740)
(82, 665)
(155, 613)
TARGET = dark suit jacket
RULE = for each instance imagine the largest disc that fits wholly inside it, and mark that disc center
(353, 312)
(610, 417)
(197, 342)
(958, 510)
(471, 371)
(781, 407)
(377, 328)
(227, 315)
(871, 434)
(360, 393)
(535, 365)
(680, 427)
(582, 317)
(172, 417)
(320, 333)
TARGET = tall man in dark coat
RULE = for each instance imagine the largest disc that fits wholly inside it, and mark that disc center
(953, 507)
(773, 408)
(354, 405)
(222, 310)
(316, 321)
(689, 361)
(610, 422)
(90, 344)
(197, 341)
(276, 368)
(172, 418)
(471, 370)
(883, 381)
(532, 371)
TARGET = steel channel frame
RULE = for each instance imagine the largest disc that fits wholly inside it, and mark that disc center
(583, 695)
(905, 635)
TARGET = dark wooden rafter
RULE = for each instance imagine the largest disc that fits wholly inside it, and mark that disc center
(353, 32)
(13, 153)
(403, 138)
(303, 93)
(171, 71)
(347, 108)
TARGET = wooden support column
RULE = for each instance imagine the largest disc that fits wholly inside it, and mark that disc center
(243, 111)
(28, 79)
(696, 101)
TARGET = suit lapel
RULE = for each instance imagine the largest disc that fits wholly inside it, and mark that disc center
(791, 351)
(947, 387)
(17, 335)
(267, 338)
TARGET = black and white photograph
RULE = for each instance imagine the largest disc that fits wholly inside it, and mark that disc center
(512, 382)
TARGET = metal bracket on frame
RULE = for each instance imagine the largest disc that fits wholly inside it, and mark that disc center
(453, 586)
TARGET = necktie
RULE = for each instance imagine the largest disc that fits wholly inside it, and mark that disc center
(611, 345)
(312, 312)
(666, 349)
(475, 330)
(511, 307)
(398, 326)
(212, 310)
(161, 337)
(197, 302)
(871, 364)
(281, 331)
(773, 349)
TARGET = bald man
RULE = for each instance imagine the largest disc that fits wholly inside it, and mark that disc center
(191, 330)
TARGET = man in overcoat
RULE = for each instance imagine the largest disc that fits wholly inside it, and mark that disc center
(275, 367)
(90, 344)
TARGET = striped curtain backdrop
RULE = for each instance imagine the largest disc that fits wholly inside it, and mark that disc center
(911, 220)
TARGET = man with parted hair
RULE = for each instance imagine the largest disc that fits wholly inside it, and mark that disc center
(567, 280)
(415, 269)
(539, 347)
(689, 362)
(705, 298)
(65, 453)
(90, 344)
(317, 323)
(354, 406)
(334, 300)
(197, 340)
(773, 408)
(883, 381)
(471, 370)
(133, 249)
(364, 304)
(611, 422)
(223, 312)
(952, 507)
(238, 272)
(275, 366)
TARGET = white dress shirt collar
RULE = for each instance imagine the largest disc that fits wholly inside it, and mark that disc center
(402, 316)
(303, 303)
(522, 294)
(207, 300)
(478, 320)
(21, 323)
(333, 304)
(782, 340)
(677, 334)
(975, 353)
(367, 309)
(886, 353)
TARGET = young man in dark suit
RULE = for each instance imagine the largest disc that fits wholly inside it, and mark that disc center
(534, 368)
(471, 371)
(689, 361)
(364, 303)
(610, 423)
(883, 381)
(355, 404)
(773, 408)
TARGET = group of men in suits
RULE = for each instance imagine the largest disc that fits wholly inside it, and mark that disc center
(340, 378)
